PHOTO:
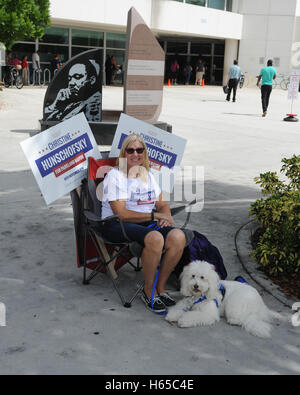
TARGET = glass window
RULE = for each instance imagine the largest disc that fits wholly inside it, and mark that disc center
(47, 52)
(56, 35)
(218, 4)
(219, 62)
(115, 40)
(78, 50)
(196, 2)
(219, 49)
(87, 37)
(177, 47)
(201, 48)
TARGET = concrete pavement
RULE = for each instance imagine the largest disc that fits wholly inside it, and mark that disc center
(55, 325)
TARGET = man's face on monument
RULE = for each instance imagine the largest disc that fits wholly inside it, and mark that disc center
(77, 78)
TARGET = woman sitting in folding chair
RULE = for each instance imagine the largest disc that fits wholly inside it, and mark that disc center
(132, 192)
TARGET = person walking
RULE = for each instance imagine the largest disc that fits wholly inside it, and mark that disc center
(234, 76)
(267, 75)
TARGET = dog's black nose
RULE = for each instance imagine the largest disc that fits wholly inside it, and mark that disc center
(196, 286)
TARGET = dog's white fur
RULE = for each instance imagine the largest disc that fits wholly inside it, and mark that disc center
(242, 305)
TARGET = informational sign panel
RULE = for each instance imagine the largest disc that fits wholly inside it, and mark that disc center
(294, 85)
(165, 150)
(144, 66)
(58, 156)
(75, 88)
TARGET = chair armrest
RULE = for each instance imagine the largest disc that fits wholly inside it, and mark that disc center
(95, 218)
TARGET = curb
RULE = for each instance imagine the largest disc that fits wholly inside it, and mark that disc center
(243, 250)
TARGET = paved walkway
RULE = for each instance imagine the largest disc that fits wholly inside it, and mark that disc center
(55, 325)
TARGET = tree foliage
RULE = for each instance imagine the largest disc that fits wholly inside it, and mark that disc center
(20, 19)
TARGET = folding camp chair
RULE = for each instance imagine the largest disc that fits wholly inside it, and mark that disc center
(94, 251)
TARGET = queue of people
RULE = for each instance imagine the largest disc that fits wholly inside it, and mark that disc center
(22, 65)
(188, 73)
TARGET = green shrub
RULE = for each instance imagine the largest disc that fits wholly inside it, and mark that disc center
(278, 246)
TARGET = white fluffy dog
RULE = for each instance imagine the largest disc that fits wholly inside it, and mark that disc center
(207, 299)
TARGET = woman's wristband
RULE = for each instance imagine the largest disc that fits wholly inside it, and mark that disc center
(152, 215)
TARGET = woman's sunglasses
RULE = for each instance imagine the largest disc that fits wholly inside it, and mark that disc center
(130, 151)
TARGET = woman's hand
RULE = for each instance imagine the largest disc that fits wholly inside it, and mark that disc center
(164, 219)
(163, 214)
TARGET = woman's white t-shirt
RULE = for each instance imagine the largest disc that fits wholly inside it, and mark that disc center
(140, 196)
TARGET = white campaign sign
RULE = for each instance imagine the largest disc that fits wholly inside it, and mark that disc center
(165, 150)
(58, 156)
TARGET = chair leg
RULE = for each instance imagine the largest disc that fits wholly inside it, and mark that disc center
(139, 290)
(138, 266)
(84, 281)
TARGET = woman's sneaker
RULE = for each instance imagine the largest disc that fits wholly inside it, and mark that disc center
(157, 307)
(167, 300)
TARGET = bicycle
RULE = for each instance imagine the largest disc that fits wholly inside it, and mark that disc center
(12, 77)
(281, 81)
(284, 84)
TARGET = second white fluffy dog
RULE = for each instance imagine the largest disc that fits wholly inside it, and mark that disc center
(207, 298)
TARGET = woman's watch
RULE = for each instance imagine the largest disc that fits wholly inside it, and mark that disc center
(152, 215)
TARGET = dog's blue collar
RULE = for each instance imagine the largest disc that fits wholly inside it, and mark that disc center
(221, 289)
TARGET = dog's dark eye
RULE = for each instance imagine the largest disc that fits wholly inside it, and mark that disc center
(193, 276)
(202, 278)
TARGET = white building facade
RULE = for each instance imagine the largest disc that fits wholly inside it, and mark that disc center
(218, 31)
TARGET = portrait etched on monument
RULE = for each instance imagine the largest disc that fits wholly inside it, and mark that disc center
(76, 88)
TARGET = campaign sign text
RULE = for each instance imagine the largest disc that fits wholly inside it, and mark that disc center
(58, 156)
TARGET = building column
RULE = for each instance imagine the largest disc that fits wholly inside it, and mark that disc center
(231, 54)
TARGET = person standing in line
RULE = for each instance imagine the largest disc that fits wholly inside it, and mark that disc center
(55, 64)
(188, 72)
(36, 66)
(114, 67)
(267, 75)
(36, 60)
(108, 70)
(8, 58)
(234, 76)
(200, 70)
(174, 72)
(25, 69)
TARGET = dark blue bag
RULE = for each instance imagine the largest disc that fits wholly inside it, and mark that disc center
(201, 249)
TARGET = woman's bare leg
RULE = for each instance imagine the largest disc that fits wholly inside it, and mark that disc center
(174, 246)
(151, 256)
